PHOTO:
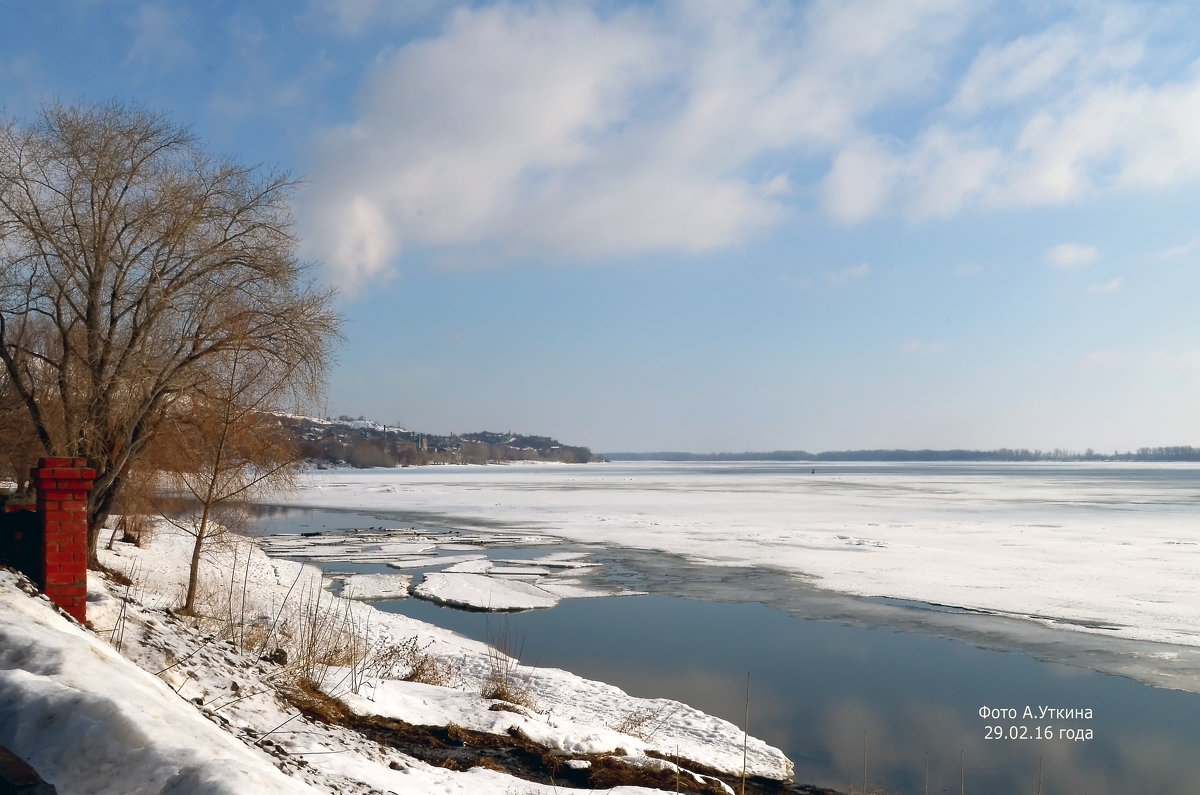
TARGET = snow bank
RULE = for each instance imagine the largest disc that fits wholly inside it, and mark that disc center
(90, 721)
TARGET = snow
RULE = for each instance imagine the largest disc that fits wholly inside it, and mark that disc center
(1101, 548)
(91, 721)
(361, 547)
(1085, 548)
(372, 587)
(565, 560)
(479, 565)
(193, 705)
(433, 560)
(482, 592)
(359, 424)
(519, 571)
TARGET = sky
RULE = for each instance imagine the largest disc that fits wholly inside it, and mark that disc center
(707, 225)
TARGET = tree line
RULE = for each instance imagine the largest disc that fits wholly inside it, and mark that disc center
(1171, 453)
(359, 444)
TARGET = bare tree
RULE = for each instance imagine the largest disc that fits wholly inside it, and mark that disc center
(21, 447)
(130, 260)
(227, 443)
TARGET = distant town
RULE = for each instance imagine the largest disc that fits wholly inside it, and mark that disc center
(359, 442)
(364, 443)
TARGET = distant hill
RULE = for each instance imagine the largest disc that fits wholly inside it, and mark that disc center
(1179, 453)
(364, 443)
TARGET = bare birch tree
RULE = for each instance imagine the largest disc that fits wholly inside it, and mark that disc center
(130, 260)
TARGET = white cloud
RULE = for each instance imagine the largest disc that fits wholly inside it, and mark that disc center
(1103, 359)
(16, 68)
(917, 347)
(558, 131)
(591, 130)
(1071, 255)
(1106, 287)
(779, 185)
(1174, 363)
(948, 170)
(861, 181)
(1114, 137)
(366, 241)
(1181, 250)
(1005, 74)
(848, 276)
(1096, 103)
(1182, 362)
(158, 37)
(354, 17)
(1092, 46)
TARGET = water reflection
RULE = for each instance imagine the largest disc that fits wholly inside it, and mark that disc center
(272, 519)
(817, 688)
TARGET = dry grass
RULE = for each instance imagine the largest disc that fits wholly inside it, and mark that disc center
(315, 704)
(421, 666)
(645, 723)
(607, 772)
(312, 633)
(317, 637)
(135, 528)
(323, 636)
(505, 680)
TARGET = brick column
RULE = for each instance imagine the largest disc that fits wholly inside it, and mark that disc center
(62, 486)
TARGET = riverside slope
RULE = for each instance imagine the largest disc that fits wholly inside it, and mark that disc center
(89, 721)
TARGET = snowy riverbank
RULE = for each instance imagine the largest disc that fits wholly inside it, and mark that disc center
(89, 722)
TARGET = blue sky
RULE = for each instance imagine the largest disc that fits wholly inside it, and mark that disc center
(711, 224)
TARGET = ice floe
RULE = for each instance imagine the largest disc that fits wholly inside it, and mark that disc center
(375, 587)
(480, 592)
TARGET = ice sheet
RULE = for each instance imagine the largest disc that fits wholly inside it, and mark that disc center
(1086, 547)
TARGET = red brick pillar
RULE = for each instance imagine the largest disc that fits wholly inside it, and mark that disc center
(62, 486)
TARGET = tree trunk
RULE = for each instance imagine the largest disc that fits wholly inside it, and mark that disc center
(100, 504)
(189, 604)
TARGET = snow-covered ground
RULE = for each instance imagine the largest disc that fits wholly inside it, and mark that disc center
(206, 711)
(1084, 547)
(91, 721)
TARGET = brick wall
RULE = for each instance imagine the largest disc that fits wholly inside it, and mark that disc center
(62, 486)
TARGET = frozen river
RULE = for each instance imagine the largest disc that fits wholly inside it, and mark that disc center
(1108, 549)
(879, 573)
